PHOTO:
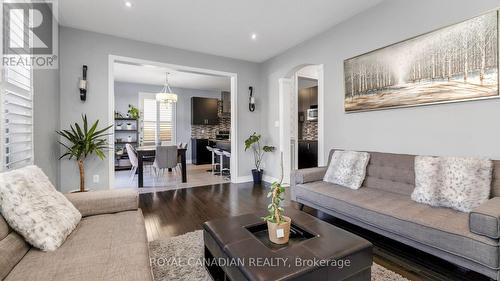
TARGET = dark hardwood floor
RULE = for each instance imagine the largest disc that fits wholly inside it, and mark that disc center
(175, 212)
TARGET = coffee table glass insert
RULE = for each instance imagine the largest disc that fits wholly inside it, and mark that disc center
(297, 235)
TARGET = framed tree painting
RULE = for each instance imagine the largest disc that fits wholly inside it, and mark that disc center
(455, 63)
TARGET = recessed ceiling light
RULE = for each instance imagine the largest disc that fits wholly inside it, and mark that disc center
(253, 36)
(128, 4)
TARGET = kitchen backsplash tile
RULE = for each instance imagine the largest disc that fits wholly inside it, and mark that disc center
(310, 130)
(209, 131)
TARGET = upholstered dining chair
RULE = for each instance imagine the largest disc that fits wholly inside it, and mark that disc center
(165, 158)
(132, 156)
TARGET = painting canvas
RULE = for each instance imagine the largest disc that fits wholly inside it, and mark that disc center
(455, 63)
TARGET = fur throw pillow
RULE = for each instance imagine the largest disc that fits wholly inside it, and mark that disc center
(35, 209)
(347, 168)
(456, 182)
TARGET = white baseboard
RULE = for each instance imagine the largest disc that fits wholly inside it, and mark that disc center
(249, 178)
(243, 179)
(189, 161)
(269, 179)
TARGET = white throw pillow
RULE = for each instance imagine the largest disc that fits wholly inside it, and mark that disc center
(35, 209)
(459, 183)
(347, 168)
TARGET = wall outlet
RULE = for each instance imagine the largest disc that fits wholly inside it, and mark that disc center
(95, 179)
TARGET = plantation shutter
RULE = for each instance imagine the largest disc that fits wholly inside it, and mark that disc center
(149, 122)
(166, 122)
(17, 118)
(158, 122)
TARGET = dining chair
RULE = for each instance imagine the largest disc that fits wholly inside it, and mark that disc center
(132, 156)
(165, 158)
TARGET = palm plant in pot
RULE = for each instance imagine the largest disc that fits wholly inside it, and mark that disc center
(83, 141)
(278, 225)
(253, 142)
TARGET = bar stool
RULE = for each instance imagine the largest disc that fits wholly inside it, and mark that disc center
(228, 155)
(220, 153)
(214, 165)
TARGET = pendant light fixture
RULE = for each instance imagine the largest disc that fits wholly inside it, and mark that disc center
(166, 95)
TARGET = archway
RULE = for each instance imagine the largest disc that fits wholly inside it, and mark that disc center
(289, 115)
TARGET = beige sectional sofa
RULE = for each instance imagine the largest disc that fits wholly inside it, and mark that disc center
(109, 243)
(383, 205)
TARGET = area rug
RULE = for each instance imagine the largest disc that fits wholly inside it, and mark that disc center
(181, 258)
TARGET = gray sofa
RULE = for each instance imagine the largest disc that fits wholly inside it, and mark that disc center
(109, 243)
(383, 205)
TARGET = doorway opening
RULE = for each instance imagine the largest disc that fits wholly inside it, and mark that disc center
(301, 95)
(165, 124)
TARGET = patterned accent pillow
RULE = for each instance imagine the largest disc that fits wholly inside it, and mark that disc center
(35, 209)
(347, 168)
(459, 183)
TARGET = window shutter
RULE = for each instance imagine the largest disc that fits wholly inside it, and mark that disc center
(158, 122)
(17, 118)
(166, 121)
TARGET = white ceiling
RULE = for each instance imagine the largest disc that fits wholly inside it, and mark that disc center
(153, 75)
(218, 27)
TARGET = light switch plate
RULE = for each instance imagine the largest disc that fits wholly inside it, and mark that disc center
(96, 178)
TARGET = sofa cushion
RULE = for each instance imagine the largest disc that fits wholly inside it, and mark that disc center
(35, 209)
(102, 247)
(485, 219)
(12, 248)
(442, 228)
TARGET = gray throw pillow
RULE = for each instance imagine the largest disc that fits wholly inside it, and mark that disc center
(35, 209)
(347, 168)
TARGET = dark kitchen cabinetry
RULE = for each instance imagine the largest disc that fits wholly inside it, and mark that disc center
(308, 154)
(204, 111)
(307, 97)
(226, 103)
(199, 152)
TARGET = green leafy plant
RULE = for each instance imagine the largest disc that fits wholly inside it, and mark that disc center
(253, 142)
(276, 194)
(133, 112)
(83, 141)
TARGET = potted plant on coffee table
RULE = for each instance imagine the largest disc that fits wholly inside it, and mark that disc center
(278, 225)
(83, 141)
(253, 142)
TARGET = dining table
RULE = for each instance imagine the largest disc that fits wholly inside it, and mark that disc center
(149, 152)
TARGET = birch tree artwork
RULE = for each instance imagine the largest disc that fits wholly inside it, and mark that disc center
(456, 63)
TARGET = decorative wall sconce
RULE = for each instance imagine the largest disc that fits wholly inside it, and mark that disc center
(251, 100)
(83, 84)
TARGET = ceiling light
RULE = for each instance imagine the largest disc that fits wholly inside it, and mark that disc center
(166, 94)
(253, 36)
(128, 4)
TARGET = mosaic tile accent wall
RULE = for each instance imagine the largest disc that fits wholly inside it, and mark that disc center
(310, 130)
(209, 131)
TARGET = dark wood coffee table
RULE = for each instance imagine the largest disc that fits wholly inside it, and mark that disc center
(237, 248)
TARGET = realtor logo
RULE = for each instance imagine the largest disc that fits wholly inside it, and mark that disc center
(29, 34)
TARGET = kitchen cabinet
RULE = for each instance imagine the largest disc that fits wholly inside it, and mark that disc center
(306, 98)
(204, 111)
(199, 152)
(226, 103)
(308, 154)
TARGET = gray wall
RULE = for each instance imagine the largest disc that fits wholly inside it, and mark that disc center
(46, 122)
(127, 93)
(462, 129)
(79, 47)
